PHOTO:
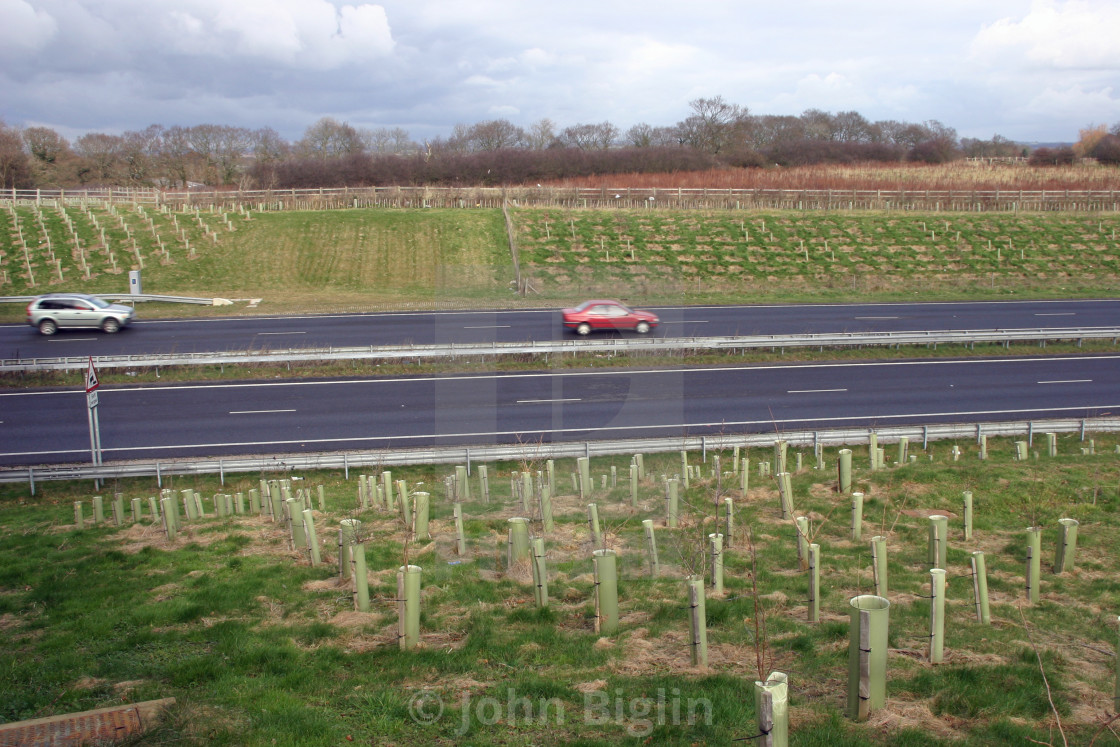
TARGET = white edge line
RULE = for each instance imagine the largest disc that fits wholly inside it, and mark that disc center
(812, 391)
(256, 412)
(1067, 381)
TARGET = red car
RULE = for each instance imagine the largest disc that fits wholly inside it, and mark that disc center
(592, 315)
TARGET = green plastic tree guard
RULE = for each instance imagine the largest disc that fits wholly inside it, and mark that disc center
(801, 527)
(673, 511)
(361, 578)
(219, 505)
(781, 455)
(1067, 545)
(518, 542)
(540, 573)
(857, 516)
(546, 508)
(966, 498)
(593, 525)
(814, 583)
(745, 475)
(980, 588)
(408, 606)
(387, 490)
(728, 520)
(1116, 688)
(938, 544)
(169, 525)
(936, 615)
(697, 618)
(605, 565)
(528, 495)
(879, 564)
(651, 548)
(1034, 563)
(137, 510)
(98, 510)
(348, 533)
(715, 549)
(771, 704)
(633, 484)
(1052, 444)
(983, 447)
(312, 537)
(818, 455)
(460, 537)
(903, 450)
(640, 460)
(686, 471)
(322, 500)
(956, 453)
(153, 508)
(1021, 451)
(785, 493)
(295, 524)
(79, 520)
(405, 511)
(583, 467)
(867, 655)
(873, 450)
(239, 503)
(484, 482)
(421, 512)
(844, 471)
(735, 460)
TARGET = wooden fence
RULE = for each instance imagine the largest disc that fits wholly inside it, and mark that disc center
(999, 200)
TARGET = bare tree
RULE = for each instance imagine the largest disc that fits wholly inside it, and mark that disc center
(714, 125)
(599, 136)
(386, 141)
(329, 138)
(541, 134)
(141, 153)
(496, 134)
(102, 156)
(15, 169)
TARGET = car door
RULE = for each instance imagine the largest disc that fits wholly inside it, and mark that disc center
(616, 317)
(81, 313)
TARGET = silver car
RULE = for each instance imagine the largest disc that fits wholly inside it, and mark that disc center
(54, 311)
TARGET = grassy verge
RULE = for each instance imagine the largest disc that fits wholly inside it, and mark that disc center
(258, 647)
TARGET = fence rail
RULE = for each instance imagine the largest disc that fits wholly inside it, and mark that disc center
(537, 451)
(950, 200)
(623, 346)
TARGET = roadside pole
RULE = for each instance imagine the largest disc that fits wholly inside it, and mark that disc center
(94, 425)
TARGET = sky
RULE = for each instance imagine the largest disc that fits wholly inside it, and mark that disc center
(1029, 71)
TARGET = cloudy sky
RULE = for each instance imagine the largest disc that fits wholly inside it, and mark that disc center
(1030, 71)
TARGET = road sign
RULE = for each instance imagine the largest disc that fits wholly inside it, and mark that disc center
(91, 378)
(91, 399)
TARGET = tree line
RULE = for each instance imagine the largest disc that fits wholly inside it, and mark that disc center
(716, 133)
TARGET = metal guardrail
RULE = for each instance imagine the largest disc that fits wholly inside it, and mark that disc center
(602, 346)
(537, 451)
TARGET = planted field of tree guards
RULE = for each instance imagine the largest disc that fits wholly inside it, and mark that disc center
(321, 610)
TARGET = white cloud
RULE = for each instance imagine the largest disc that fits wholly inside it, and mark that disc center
(24, 28)
(1069, 35)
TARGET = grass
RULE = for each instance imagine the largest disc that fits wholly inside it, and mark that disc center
(258, 647)
(376, 259)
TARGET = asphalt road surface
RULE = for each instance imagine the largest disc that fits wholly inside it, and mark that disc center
(355, 330)
(271, 417)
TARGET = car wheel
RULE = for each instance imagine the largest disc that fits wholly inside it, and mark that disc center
(583, 329)
(47, 327)
(109, 326)
(642, 328)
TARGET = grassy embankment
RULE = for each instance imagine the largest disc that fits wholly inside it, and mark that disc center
(260, 648)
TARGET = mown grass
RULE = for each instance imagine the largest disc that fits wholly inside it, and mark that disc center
(258, 647)
(367, 259)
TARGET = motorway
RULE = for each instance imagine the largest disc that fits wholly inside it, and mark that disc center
(152, 336)
(270, 417)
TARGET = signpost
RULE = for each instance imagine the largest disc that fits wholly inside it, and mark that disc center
(94, 426)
